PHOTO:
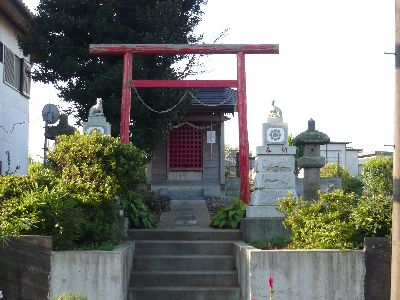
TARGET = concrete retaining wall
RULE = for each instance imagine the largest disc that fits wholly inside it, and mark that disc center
(97, 274)
(300, 274)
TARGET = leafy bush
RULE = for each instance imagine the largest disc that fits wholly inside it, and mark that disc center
(337, 220)
(271, 244)
(155, 202)
(350, 183)
(69, 296)
(97, 167)
(74, 199)
(138, 213)
(230, 216)
(377, 175)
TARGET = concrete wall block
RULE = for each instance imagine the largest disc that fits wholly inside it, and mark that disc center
(301, 274)
(97, 274)
(263, 211)
(269, 197)
(281, 163)
(274, 180)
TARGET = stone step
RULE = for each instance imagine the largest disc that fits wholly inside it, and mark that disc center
(183, 234)
(159, 247)
(181, 293)
(183, 278)
(183, 262)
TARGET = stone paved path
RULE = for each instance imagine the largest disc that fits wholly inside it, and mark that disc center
(186, 214)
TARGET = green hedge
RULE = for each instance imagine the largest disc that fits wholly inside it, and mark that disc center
(74, 198)
(337, 220)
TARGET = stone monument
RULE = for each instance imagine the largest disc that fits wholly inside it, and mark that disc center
(275, 177)
(62, 128)
(311, 161)
(97, 120)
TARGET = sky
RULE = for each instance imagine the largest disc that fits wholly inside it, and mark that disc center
(331, 67)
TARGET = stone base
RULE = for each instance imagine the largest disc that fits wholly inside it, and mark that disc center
(263, 229)
(262, 211)
(269, 197)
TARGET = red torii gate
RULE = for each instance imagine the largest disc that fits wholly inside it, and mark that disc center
(128, 50)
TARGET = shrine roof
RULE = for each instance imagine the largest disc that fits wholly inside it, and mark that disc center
(218, 99)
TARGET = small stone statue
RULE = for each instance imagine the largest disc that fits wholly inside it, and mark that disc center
(97, 109)
(275, 112)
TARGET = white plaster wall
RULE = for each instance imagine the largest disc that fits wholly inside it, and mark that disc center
(330, 157)
(100, 275)
(14, 108)
(352, 162)
(301, 274)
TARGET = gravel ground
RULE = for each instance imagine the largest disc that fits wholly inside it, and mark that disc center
(214, 204)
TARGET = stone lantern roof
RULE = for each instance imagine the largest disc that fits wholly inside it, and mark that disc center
(311, 136)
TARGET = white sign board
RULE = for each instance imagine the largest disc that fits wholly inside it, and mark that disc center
(211, 137)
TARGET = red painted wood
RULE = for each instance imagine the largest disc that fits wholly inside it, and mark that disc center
(126, 98)
(243, 135)
(120, 49)
(185, 148)
(184, 83)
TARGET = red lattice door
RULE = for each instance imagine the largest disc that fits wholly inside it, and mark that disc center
(185, 148)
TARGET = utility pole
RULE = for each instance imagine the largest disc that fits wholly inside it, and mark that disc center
(395, 275)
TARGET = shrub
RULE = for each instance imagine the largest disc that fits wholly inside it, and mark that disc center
(69, 296)
(155, 202)
(271, 244)
(350, 183)
(138, 213)
(74, 199)
(97, 167)
(377, 175)
(337, 220)
(230, 216)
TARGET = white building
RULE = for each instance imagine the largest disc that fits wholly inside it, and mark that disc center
(339, 153)
(14, 87)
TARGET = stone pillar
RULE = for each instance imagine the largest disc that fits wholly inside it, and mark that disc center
(275, 166)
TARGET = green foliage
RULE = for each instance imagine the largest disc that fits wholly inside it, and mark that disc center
(377, 175)
(97, 167)
(69, 296)
(230, 216)
(350, 183)
(138, 213)
(299, 152)
(59, 38)
(74, 199)
(337, 220)
(155, 202)
(271, 244)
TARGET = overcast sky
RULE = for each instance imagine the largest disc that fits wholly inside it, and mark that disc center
(331, 67)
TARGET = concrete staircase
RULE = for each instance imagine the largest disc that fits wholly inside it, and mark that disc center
(195, 264)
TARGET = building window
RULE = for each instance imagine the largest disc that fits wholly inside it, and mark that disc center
(185, 148)
(16, 72)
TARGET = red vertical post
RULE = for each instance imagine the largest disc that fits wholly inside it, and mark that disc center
(243, 135)
(126, 98)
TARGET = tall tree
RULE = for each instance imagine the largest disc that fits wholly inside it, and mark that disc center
(59, 40)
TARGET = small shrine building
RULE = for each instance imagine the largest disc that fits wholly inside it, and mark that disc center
(191, 162)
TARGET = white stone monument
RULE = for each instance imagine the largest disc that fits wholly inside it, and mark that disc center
(96, 120)
(275, 166)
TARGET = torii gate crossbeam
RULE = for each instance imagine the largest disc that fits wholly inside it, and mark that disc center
(128, 50)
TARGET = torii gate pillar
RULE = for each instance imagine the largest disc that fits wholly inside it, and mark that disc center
(128, 50)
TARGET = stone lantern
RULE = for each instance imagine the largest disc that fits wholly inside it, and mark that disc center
(311, 161)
